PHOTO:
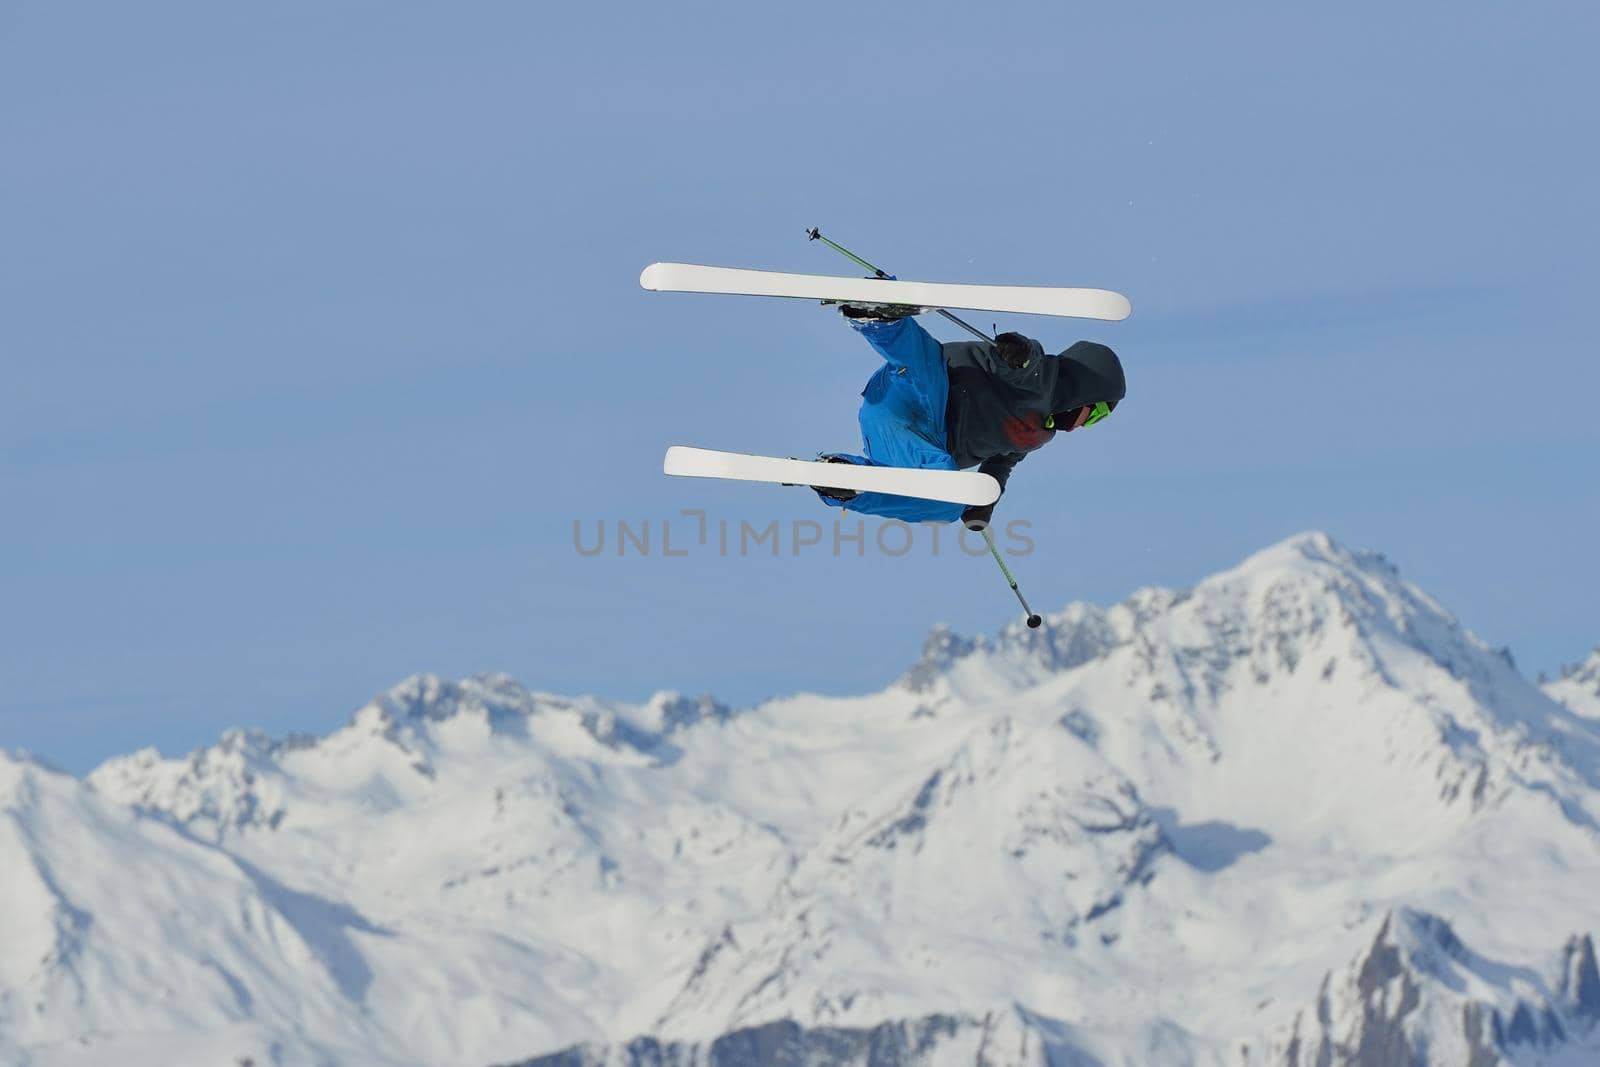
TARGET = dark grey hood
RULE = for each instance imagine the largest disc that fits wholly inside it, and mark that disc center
(996, 413)
(1089, 373)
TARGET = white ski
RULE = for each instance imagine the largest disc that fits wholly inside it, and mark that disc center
(1018, 299)
(955, 487)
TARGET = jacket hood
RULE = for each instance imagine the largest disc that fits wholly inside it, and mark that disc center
(1090, 373)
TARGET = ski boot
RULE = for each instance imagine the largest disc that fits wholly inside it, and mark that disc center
(843, 496)
(877, 312)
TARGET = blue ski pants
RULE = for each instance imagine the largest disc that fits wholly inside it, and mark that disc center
(902, 418)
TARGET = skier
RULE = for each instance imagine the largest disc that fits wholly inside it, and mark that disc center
(954, 405)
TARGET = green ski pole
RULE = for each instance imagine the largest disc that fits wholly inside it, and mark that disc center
(1033, 620)
(878, 272)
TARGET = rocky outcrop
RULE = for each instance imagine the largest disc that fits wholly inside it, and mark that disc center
(1419, 996)
(1010, 1038)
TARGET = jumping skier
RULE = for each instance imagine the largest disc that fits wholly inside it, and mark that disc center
(953, 405)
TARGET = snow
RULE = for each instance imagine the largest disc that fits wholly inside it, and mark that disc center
(1179, 829)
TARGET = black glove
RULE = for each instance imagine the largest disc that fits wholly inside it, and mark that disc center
(976, 517)
(1013, 349)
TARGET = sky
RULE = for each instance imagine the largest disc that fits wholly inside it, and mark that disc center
(323, 357)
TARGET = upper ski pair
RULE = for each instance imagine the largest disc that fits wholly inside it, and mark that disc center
(1016, 299)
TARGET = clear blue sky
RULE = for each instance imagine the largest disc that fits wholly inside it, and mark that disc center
(320, 326)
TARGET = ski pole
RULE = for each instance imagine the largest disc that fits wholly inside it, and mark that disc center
(1033, 620)
(816, 235)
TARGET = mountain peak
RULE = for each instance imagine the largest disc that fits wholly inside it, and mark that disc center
(1579, 687)
(1315, 553)
(1585, 675)
(422, 698)
(20, 767)
(1276, 601)
(1317, 546)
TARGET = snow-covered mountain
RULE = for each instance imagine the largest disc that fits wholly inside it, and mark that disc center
(1579, 687)
(1296, 815)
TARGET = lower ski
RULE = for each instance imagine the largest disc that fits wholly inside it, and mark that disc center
(955, 487)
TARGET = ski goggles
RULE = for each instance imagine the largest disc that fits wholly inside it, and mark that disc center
(1087, 415)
